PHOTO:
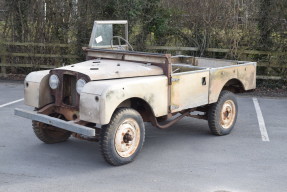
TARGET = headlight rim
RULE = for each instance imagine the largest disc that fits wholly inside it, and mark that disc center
(57, 84)
(84, 82)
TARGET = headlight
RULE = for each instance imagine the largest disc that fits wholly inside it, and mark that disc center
(80, 84)
(54, 81)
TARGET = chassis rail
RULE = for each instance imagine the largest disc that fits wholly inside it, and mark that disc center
(67, 125)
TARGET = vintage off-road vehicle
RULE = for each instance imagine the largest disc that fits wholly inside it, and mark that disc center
(109, 97)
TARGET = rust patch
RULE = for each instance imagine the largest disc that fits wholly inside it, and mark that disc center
(58, 93)
(70, 114)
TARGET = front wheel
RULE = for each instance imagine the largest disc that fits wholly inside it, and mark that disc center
(222, 115)
(122, 139)
(50, 134)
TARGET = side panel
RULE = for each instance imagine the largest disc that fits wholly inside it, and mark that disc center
(189, 90)
(99, 99)
(245, 73)
(37, 91)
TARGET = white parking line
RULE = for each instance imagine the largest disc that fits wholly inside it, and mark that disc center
(12, 102)
(262, 127)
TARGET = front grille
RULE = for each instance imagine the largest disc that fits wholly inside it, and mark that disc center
(66, 95)
(69, 95)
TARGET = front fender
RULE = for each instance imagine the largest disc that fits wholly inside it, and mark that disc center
(99, 99)
(37, 91)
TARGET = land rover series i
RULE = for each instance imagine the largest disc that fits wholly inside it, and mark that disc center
(109, 97)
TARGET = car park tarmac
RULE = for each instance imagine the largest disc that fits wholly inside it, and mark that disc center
(184, 157)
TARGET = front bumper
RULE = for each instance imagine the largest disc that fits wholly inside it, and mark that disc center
(67, 125)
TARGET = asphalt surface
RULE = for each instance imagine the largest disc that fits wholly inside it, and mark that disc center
(185, 157)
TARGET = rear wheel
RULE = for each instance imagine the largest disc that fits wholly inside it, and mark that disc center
(122, 139)
(50, 134)
(222, 115)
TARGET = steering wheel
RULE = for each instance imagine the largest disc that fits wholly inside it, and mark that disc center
(120, 45)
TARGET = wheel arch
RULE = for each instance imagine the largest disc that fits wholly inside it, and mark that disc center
(140, 105)
(234, 85)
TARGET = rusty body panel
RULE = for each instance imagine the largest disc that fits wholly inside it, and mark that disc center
(65, 95)
(244, 73)
(100, 99)
(139, 57)
(110, 69)
(189, 90)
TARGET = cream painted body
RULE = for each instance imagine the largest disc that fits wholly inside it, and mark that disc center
(245, 73)
(116, 81)
(112, 93)
(37, 90)
(188, 90)
(111, 69)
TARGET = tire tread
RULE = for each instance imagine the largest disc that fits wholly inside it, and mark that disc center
(43, 136)
(213, 114)
(106, 134)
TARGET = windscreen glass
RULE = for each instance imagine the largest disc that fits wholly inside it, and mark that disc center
(104, 35)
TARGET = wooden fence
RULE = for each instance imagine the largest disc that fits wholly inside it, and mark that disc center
(5, 53)
(28, 53)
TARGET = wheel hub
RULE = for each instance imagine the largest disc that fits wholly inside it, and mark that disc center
(228, 114)
(127, 138)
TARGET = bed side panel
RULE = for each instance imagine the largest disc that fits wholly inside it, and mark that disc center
(245, 73)
(189, 90)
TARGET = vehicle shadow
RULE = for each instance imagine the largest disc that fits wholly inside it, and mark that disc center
(88, 153)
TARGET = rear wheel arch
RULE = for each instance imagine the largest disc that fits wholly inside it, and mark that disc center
(234, 86)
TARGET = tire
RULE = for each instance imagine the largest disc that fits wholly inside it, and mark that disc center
(50, 134)
(222, 115)
(123, 138)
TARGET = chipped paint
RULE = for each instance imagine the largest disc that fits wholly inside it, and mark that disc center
(109, 69)
(189, 92)
(110, 86)
(36, 90)
(151, 89)
(245, 73)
